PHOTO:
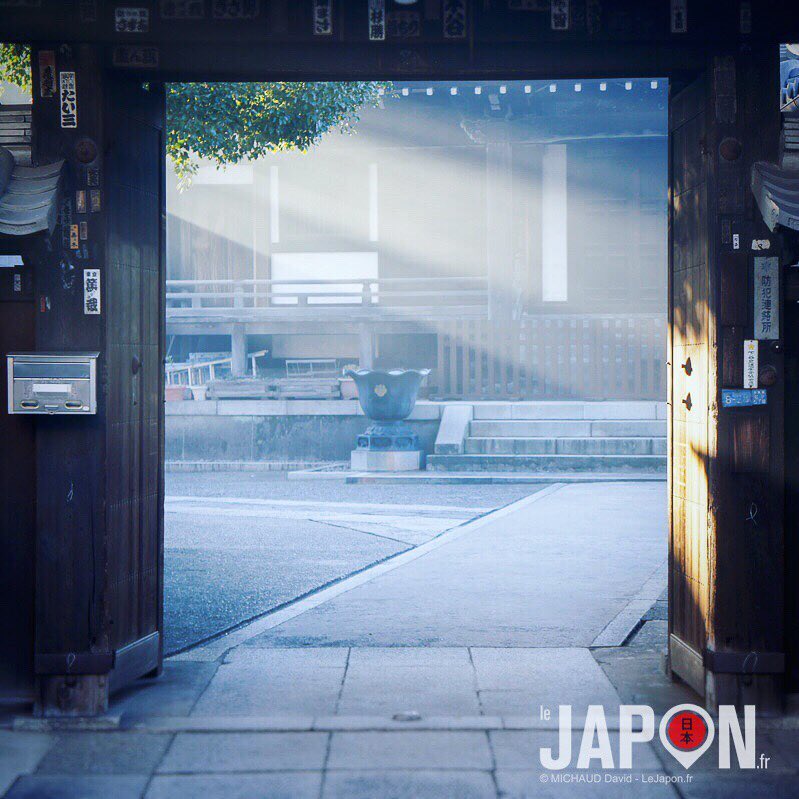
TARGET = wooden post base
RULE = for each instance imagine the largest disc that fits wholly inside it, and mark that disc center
(72, 695)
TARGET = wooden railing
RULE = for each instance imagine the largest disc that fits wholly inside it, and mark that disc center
(223, 297)
(586, 356)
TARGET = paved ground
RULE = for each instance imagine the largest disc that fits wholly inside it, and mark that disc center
(239, 544)
(421, 677)
(552, 573)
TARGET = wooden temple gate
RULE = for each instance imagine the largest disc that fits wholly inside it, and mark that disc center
(94, 508)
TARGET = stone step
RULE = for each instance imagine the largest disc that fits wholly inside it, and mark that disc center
(566, 446)
(630, 464)
(570, 410)
(549, 428)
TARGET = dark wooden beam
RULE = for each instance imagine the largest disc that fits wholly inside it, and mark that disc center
(608, 21)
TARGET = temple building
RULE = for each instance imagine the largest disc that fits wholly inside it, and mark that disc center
(509, 236)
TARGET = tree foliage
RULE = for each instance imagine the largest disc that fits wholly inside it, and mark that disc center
(15, 65)
(229, 122)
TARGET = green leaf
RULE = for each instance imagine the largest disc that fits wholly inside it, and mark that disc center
(229, 122)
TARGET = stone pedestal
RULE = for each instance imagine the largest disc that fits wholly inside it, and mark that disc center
(370, 460)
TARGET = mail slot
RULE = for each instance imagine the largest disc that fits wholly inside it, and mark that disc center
(52, 383)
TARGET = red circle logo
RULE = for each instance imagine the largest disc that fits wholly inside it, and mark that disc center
(687, 730)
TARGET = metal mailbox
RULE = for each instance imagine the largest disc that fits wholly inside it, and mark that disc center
(52, 383)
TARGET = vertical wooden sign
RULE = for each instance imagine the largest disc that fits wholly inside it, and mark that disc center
(46, 73)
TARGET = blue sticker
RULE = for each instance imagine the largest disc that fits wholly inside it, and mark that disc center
(742, 397)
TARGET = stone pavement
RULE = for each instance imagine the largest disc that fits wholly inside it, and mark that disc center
(421, 677)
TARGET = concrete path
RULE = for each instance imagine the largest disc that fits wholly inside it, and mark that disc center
(421, 677)
(551, 573)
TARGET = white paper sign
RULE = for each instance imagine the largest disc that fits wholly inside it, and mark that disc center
(322, 17)
(132, 20)
(91, 291)
(68, 96)
(377, 20)
(767, 298)
(750, 363)
(559, 15)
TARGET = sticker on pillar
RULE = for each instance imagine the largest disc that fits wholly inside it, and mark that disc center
(93, 176)
(80, 201)
(377, 20)
(68, 94)
(182, 9)
(760, 245)
(136, 57)
(767, 298)
(679, 16)
(403, 24)
(84, 231)
(750, 363)
(743, 397)
(46, 73)
(734, 233)
(74, 237)
(65, 220)
(132, 20)
(454, 18)
(235, 9)
(322, 17)
(559, 15)
(91, 292)
(86, 150)
(745, 17)
(95, 203)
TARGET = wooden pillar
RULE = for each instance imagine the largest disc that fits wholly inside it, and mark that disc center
(99, 533)
(366, 347)
(745, 651)
(726, 464)
(238, 351)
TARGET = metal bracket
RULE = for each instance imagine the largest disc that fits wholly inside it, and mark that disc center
(744, 662)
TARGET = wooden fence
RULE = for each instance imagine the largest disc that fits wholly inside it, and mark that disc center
(594, 356)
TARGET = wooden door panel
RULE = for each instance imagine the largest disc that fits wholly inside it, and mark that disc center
(689, 461)
(689, 387)
(690, 390)
(689, 306)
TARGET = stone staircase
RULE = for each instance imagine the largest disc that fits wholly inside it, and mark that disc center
(565, 437)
